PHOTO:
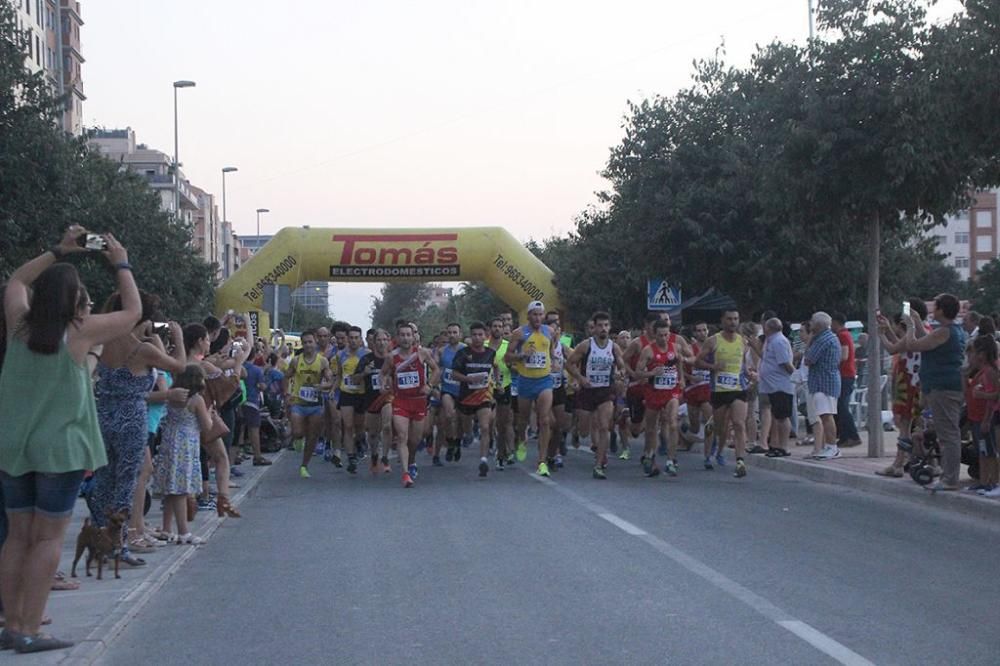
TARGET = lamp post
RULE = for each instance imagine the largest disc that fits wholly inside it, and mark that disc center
(259, 211)
(225, 170)
(177, 161)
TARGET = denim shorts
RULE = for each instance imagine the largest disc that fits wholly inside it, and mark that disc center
(53, 495)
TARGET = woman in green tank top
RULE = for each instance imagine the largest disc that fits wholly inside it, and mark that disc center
(50, 433)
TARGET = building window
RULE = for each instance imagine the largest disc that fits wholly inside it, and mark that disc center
(984, 243)
(984, 219)
(940, 240)
(962, 237)
(961, 262)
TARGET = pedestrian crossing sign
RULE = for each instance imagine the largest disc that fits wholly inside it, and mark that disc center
(662, 296)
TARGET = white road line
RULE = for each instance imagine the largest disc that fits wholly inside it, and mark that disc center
(623, 525)
(828, 646)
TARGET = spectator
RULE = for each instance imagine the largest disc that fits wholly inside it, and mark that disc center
(776, 383)
(970, 324)
(846, 428)
(823, 357)
(256, 384)
(942, 353)
(861, 358)
(981, 400)
(905, 386)
(987, 327)
(50, 431)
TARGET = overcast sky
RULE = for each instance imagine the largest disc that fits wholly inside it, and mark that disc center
(390, 114)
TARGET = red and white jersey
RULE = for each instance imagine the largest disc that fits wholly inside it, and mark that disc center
(670, 380)
(410, 373)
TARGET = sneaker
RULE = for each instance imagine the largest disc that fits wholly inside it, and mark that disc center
(994, 492)
(386, 467)
(500, 465)
(708, 464)
(24, 644)
(436, 461)
(206, 505)
(624, 455)
(939, 486)
(670, 468)
(449, 454)
(304, 473)
(484, 468)
(407, 480)
(261, 462)
(458, 453)
(335, 459)
(233, 471)
(647, 466)
(576, 441)
(543, 469)
(522, 452)
(978, 488)
(412, 471)
(598, 473)
(829, 452)
(720, 460)
(559, 462)
(741, 469)
(352, 465)
(511, 459)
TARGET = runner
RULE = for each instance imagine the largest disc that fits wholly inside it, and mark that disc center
(454, 423)
(659, 364)
(530, 349)
(378, 404)
(332, 427)
(698, 392)
(504, 416)
(474, 367)
(592, 364)
(352, 395)
(561, 419)
(729, 389)
(308, 376)
(407, 378)
(636, 392)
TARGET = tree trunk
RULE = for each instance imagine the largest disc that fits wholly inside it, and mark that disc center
(875, 449)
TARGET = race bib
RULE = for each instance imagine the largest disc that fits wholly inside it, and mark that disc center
(537, 360)
(377, 382)
(308, 394)
(702, 376)
(406, 380)
(448, 379)
(481, 384)
(600, 379)
(349, 381)
(728, 381)
(557, 380)
(667, 381)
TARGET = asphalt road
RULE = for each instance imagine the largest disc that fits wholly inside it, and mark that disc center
(701, 569)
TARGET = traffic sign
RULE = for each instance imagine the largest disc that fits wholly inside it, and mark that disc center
(661, 296)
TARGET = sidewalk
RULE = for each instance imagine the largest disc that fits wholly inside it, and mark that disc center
(856, 470)
(96, 613)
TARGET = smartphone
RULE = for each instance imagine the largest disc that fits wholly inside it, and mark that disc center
(92, 242)
(906, 308)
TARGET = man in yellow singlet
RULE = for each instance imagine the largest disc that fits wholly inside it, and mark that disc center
(723, 354)
(307, 377)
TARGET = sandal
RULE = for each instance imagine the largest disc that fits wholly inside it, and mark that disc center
(61, 584)
(39, 643)
(189, 540)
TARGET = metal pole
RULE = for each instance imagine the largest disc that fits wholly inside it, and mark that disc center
(276, 292)
(258, 230)
(177, 162)
(223, 196)
(875, 445)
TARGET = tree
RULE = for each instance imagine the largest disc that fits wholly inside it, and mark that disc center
(49, 180)
(986, 290)
(395, 299)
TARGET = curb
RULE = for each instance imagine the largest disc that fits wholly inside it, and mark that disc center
(826, 473)
(91, 648)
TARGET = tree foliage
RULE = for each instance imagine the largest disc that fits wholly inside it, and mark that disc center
(49, 180)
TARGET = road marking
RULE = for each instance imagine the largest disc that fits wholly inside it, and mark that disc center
(828, 646)
(623, 525)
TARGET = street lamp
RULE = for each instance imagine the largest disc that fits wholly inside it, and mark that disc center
(177, 161)
(259, 211)
(225, 170)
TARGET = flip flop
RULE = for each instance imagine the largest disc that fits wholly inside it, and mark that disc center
(61, 584)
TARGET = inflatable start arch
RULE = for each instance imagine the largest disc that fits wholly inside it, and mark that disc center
(294, 256)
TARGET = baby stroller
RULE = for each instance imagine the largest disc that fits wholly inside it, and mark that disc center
(926, 459)
(275, 433)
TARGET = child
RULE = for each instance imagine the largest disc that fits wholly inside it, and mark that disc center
(985, 402)
(178, 468)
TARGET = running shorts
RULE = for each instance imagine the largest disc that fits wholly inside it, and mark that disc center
(726, 398)
(529, 388)
(414, 409)
(589, 399)
(635, 401)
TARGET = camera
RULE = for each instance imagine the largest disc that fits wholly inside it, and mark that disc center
(94, 242)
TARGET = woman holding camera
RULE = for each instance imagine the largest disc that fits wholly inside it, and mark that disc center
(126, 373)
(50, 431)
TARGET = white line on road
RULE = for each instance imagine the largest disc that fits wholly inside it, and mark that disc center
(837, 651)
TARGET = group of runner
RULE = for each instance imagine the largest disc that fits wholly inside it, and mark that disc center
(373, 394)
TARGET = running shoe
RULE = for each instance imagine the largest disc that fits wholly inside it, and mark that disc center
(335, 459)
(741, 469)
(543, 469)
(559, 462)
(412, 469)
(647, 465)
(522, 452)
(386, 467)
(449, 454)
(500, 465)
(458, 453)
(407, 481)
(708, 464)
(352, 465)
(576, 440)
(511, 459)
(670, 468)
(436, 461)
(598, 473)
(720, 460)
(484, 468)
(829, 452)
(304, 473)
(235, 471)
(624, 455)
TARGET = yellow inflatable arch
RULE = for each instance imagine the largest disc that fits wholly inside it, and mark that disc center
(297, 255)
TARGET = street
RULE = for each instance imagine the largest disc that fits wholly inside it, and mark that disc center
(702, 569)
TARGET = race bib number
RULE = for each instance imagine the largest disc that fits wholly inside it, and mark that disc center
(702, 376)
(667, 381)
(448, 379)
(408, 380)
(349, 381)
(482, 383)
(536, 360)
(728, 381)
(377, 382)
(600, 379)
(308, 394)
(557, 380)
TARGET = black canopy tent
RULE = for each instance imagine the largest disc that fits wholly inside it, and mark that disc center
(708, 306)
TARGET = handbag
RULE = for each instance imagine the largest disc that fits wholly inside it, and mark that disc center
(218, 430)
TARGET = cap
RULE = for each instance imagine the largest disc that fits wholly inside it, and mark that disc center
(536, 305)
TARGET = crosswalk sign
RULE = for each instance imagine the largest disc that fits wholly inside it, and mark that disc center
(661, 296)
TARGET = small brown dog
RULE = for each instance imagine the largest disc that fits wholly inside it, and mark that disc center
(100, 542)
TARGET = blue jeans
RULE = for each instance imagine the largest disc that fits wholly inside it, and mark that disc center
(53, 495)
(846, 429)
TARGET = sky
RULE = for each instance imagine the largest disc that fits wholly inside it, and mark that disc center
(402, 114)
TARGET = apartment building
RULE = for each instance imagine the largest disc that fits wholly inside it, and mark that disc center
(970, 239)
